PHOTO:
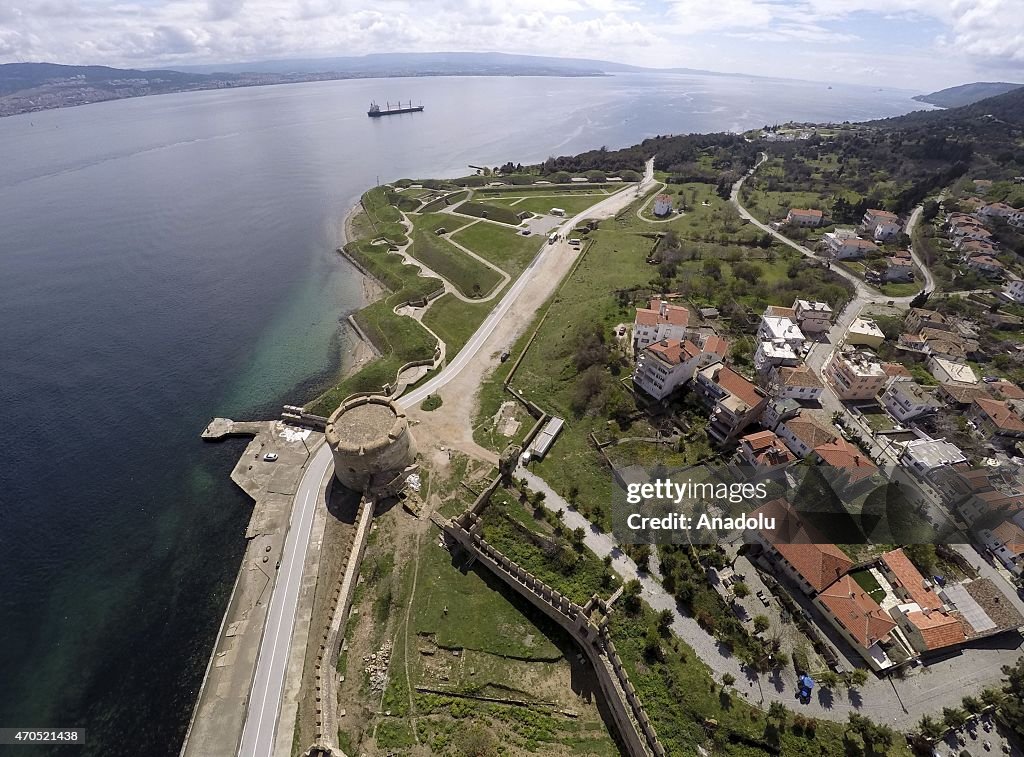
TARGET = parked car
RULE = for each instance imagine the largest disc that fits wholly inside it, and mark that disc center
(270, 457)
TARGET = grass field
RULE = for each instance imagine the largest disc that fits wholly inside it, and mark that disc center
(431, 222)
(454, 321)
(498, 213)
(478, 616)
(870, 584)
(469, 276)
(506, 248)
(570, 204)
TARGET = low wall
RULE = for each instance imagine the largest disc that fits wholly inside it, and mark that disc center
(331, 640)
(631, 721)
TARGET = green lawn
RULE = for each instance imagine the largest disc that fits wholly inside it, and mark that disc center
(498, 213)
(570, 204)
(870, 584)
(469, 276)
(431, 222)
(506, 248)
(479, 616)
(454, 321)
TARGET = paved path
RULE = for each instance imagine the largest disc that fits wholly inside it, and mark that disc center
(897, 703)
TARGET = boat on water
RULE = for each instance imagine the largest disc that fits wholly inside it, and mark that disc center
(376, 111)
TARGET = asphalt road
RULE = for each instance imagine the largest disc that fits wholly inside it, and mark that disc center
(272, 663)
(259, 731)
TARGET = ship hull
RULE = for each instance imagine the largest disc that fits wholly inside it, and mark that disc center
(393, 111)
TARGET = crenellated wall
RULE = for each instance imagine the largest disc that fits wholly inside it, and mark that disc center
(587, 624)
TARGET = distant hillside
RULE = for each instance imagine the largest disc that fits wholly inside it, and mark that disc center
(1006, 109)
(965, 94)
(437, 64)
(16, 77)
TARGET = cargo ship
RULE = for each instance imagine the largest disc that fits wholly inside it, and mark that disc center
(376, 111)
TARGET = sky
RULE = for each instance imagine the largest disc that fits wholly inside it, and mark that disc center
(912, 44)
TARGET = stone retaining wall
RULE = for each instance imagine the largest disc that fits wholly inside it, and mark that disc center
(587, 624)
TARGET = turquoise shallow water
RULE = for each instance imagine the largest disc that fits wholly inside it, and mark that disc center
(168, 259)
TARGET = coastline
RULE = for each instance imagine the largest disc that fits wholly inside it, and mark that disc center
(356, 352)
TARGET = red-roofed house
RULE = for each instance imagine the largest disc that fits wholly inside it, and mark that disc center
(665, 365)
(802, 435)
(928, 630)
(801, 217)
(798, 383)
(844, 456)
(659, 321)
(858, 618)
(907, 581)
(1006, 390)
(1006, 541)
(996, 418)
(811, 566)
(763, 450)
(734, 401)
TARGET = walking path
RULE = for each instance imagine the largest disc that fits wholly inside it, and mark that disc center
(899, 704)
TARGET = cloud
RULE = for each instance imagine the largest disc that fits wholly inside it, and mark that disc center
(916, 39)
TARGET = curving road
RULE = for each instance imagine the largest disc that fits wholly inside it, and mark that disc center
(264, 705)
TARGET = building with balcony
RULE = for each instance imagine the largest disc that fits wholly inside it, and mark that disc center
(661, 320)
(855, 375)
(734, 401)
(663, 366)
(907, 400)
(799, 383)
(864, 332)
(813, 317)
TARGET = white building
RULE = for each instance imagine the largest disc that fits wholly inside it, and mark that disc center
(881, 224)
(798, 383)
(925, 456)
(813, 317)
(775, 353)
(659, 321)
(948, 372)
(662, 205)
(1014, 290)
(801, 217)
(864, 332)
(906, 400)
(779, 329)
(665, 365)
(844, 244)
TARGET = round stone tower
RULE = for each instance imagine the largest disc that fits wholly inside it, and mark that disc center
(372, 445)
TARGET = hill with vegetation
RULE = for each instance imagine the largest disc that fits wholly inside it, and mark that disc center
(965, 94)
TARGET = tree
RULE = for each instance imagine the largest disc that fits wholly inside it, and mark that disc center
(930, 728)
(858, 677)
(728, 679)
(631, 596)
(1012, 705)
(973, 705)
(476, 741)
(930, 210)
(991, 697)
(777, 711)
(741, 590)
(665, 619)
(954, 717)
(828, 679)
(761, 623)
(923, 556)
